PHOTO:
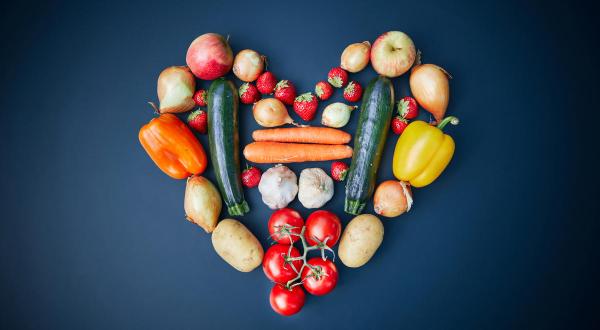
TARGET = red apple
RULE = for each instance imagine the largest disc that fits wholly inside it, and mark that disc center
(393, 53)
(209, 56)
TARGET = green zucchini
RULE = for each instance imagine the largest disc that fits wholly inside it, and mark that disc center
(373, 126)
(223, 140)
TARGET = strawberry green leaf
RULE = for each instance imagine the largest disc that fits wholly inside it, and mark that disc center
(335, 81)
(243, 88)
(282, 84)
(403, 107)
(306, 97)
(319, 91)
(350, 88)
(343, 175)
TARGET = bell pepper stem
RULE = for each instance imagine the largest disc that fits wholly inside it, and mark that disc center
(450, 119)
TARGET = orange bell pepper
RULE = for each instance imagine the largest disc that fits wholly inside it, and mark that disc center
(173, 147)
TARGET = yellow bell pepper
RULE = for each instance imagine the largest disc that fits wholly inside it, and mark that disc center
(422, 152)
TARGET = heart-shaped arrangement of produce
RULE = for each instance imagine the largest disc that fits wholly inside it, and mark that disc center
(421, 154)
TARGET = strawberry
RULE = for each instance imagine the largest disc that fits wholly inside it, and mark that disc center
(285, 92)
(197, 120)
(266, 82)
(339, 171)
(399, 124)
(323, 90)
(305, 106)
(249, 93)
(353, 92)
(408, 108)
(251, 177)
(200, 97)
(337, 77)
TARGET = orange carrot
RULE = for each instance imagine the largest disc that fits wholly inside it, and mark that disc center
(276, 152)
(322, 135)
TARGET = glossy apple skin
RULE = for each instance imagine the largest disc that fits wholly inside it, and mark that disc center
(209, 56)
(393, 53)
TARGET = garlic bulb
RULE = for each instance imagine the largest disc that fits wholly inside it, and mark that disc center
(316, 188)
(278, 187)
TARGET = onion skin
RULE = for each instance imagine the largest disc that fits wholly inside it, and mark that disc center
(175, 88)
(248, 65)
(429, 84)
(202, 203)
(271, 112)
(392, 198)
(356, 56)
(336, 114)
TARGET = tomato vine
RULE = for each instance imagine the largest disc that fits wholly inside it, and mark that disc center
(288, 231)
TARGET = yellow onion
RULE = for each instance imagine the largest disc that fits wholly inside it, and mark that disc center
(337, 114)
(202, 203)
(356, 56)
(392, 198)
(271, 112)
(175, 88)
(429, 84)
(248, 65)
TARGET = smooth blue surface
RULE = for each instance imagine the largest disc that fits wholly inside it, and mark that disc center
(93, 235)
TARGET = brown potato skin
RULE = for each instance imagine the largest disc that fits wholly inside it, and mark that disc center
(237, 245)
(361, 239)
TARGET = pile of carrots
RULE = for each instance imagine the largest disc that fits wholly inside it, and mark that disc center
(298, 144)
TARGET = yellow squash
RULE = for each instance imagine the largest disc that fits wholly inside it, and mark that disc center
(423, 152)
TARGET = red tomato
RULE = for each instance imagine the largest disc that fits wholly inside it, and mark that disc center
(275, 266)
(322, 225)
(287, 302)
(321, 278)
(284, 221)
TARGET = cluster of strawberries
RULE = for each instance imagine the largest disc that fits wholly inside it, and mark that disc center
(407, 109)
(305, 105)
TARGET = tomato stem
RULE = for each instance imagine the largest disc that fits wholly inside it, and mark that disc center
(306, 248)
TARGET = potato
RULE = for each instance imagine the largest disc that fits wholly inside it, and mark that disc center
(360, 240)
(237, 245)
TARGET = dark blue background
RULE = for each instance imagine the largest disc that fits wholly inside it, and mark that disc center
(93, 235)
